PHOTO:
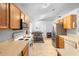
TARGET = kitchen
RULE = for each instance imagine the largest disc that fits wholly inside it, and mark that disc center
(24, 29)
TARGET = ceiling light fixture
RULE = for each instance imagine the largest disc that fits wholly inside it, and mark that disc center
(42, 16)
(59, 16)
(45, 5)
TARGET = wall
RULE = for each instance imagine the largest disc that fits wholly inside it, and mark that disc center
(7, 34)
(18, 34)
(71, 32)
(43, 26)
(77, 21)
(39, 26)
(49, 26)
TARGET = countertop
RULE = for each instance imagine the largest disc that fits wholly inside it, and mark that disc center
(12, 48)
(69, 50)
(71, 38)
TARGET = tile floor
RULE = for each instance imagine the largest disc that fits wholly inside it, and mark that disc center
(43, 49)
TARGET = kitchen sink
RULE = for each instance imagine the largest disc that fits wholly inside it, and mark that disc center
(21, 39)
(26, 39)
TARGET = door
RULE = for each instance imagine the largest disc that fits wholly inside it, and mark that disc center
(4, 16)
(14, 17)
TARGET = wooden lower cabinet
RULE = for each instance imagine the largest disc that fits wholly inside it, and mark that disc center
(25, 51)
(59, 42)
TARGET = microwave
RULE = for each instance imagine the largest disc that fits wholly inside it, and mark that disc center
(23, 25)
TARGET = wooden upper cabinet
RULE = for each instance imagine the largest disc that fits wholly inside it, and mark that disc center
(57, 22)
(65, 22)
(4, 16)
(74, 24)
(14, 17)
(69, 22)
(23, 17)
(61, 21)
(10, 16)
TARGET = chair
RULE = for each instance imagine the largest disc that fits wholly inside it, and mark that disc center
(37, 36)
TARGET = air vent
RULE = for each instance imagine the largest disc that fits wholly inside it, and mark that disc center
(59, 16)
(53, 9)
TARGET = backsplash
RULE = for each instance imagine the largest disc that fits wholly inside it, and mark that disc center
(18, 35)
(72, 32)
(7, 34)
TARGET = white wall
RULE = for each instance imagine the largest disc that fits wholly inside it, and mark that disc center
(49, 26)
(5, 35)
(39, 26)
(43, 26)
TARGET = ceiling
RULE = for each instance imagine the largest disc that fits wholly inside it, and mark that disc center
(47, 11)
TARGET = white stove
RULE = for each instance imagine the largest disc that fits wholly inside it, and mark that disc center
(19, 36)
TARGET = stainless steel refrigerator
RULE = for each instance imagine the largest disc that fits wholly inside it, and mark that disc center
(58, 29)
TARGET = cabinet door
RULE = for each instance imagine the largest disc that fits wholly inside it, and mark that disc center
(73, 20)
(14, 17)
(69, 22)
(4, 16)
(65, 22)
(23, 17)
(25, 51)
(59, 42)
